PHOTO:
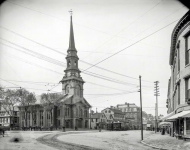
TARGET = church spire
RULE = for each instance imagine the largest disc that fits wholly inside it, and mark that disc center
(71, 39)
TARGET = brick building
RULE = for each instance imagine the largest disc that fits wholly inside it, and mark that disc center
(132, 114)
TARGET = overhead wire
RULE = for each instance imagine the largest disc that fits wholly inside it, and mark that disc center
(60, 74)
(130, 45)
(51, 60)
(66, 55)
(127, 26)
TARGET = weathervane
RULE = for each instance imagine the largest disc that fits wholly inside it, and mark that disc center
(71, 12)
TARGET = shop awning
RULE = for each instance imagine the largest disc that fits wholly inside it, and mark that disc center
(164, 123)
(183, 114)
(166, 117)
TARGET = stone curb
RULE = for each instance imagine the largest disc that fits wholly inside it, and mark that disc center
(143, 142)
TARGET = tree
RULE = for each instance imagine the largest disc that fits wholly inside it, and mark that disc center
(49, 100)
(25, 99)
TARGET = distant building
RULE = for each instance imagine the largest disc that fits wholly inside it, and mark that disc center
(132, 114)
(112, 115)
(95, 120)
(9, 120)
(178, 98)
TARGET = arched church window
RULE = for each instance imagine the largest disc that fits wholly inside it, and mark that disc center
(67, 89)
(78, 90)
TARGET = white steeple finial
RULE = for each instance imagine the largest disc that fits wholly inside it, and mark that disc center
(71, 12)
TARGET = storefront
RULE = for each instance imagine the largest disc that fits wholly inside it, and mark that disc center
(181, 123)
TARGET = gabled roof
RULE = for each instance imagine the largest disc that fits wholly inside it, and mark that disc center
(68, 99)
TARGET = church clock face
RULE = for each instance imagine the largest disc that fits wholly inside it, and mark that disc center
(68, 74)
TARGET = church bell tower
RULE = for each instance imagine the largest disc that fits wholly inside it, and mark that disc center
(72, 82)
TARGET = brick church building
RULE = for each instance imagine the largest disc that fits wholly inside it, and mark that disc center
(72, 110)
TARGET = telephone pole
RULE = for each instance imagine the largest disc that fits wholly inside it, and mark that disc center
(141, 107)
(156, 93)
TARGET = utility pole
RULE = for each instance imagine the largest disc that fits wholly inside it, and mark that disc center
(155, 119)
(141, 108)
(156, 93)
(90, 117)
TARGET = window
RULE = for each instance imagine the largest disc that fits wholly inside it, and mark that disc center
(69, 63)
(178, 88)
(178, 56)
(75, 63)
(187, 88)
(67, 89)
(76, 111)
(58, 112)
(78, 91)
(106, 111)
(187, 52)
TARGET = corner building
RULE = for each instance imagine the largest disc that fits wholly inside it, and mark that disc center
(178, 98)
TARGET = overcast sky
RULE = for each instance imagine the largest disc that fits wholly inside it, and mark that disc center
(34, 36)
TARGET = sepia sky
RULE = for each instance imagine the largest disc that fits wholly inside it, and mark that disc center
(122, 38)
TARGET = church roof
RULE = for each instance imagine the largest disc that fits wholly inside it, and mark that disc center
(68, 99)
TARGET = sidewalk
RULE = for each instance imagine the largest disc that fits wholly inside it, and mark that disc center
(166, 142)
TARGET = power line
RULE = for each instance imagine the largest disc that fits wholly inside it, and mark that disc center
(158, 22)
(126, 27)
(66, 55)
(58, 73)
(131, 45)
(48, 59)
(10, 82)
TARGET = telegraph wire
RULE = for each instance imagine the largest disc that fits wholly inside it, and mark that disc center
(10, 82)
(66, 55)
(131, 45)
(56, 62)
(60, 74)
(157, 22)
(127, 26)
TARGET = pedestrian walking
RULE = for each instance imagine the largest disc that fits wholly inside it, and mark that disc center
(76, 128)
(63, 128)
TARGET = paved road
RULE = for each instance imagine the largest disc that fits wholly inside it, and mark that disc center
(24, 140)
(77, 140)
(112, 140)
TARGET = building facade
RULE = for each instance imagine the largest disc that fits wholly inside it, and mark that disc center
(72, 109)
(112, 114)
(95, 119)
(9, 119)
(178, 98)
(132, 114)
